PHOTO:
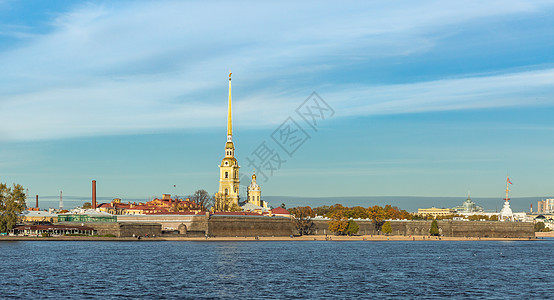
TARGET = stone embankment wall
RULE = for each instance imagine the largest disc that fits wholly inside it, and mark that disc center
(197, 225)
(221, 226)
(230, 226)
(169, 222)
(127, 229)
(446, 227)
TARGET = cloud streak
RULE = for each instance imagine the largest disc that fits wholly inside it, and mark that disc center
(142, 67)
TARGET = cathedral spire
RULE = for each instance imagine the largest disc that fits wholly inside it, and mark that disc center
(229, 117)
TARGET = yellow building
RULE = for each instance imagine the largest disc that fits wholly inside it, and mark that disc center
(255, 194)
(433, 211)
(227, 198)
(38, 217)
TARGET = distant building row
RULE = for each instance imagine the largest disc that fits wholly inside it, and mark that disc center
(545, 206)
(467, 207)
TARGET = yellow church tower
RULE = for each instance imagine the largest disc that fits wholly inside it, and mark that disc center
(254, 192)
(227, 198)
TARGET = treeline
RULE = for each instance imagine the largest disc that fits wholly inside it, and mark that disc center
(12, 203)
(376, 212)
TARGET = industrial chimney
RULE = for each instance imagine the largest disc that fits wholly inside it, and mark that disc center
(94, 194)
(36, 202)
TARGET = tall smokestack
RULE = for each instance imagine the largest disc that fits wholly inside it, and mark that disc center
(61, 201)
(94, 194)
(36, 202)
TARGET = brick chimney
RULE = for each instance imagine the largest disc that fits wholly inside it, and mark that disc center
(94, 194)
(36, 202)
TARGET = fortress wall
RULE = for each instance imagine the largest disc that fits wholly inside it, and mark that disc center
(447, 228)
(127, 229)
(140, 229)
(276, 226)
(105, 228)
(250, 226)
(321, 227)
(169, 222)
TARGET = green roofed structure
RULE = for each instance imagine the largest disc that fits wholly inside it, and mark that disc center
(87, 216)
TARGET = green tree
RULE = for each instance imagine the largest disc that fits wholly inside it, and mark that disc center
(541, 227)
(387, 228)
(352, 227)
(283, 206)
(357, 212)
(434, 231)
(87, 205)
(12, 203)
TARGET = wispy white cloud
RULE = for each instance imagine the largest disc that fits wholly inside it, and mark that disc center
(533, 88)
(141, 66)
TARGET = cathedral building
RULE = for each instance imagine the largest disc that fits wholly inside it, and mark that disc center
(254, 192)
(227, 197)
(254, 203)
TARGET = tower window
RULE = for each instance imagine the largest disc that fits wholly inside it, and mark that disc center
(226, 191)
(226, 174)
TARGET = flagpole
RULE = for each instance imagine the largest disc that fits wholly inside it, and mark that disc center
(507, 188)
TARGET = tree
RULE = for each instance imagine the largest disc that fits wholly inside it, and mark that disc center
(541, 227)
(203, 199)
(87, 205)
(352, 227)
(339, 223)
(12, 203)
(224, 203)
(322, 210)
(356, 212)
(377, 214)
(434, 231)
(387, 228)
(283, 206)
(302, 219)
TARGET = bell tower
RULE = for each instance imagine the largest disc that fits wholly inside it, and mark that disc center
(254, 192)
(227, 197)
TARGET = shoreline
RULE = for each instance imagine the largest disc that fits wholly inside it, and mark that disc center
(254, 239)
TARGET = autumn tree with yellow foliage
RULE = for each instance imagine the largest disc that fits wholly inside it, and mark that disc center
(339, 223)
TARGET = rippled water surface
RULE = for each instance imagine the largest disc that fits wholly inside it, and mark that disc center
(314, 269)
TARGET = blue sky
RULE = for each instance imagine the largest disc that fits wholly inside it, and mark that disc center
(431, 98)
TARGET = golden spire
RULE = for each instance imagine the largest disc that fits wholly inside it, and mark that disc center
(229, 119)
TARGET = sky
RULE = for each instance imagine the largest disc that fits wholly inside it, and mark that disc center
(426, 98)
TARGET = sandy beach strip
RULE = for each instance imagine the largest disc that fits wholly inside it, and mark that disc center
(256, 239)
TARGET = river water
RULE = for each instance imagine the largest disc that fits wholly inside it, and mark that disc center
(277, 269)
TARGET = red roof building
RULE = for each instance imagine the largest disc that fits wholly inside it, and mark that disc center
(281, 212)
(165, 205)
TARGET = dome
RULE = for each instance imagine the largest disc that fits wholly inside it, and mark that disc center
(229, 145)
(506, 211)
